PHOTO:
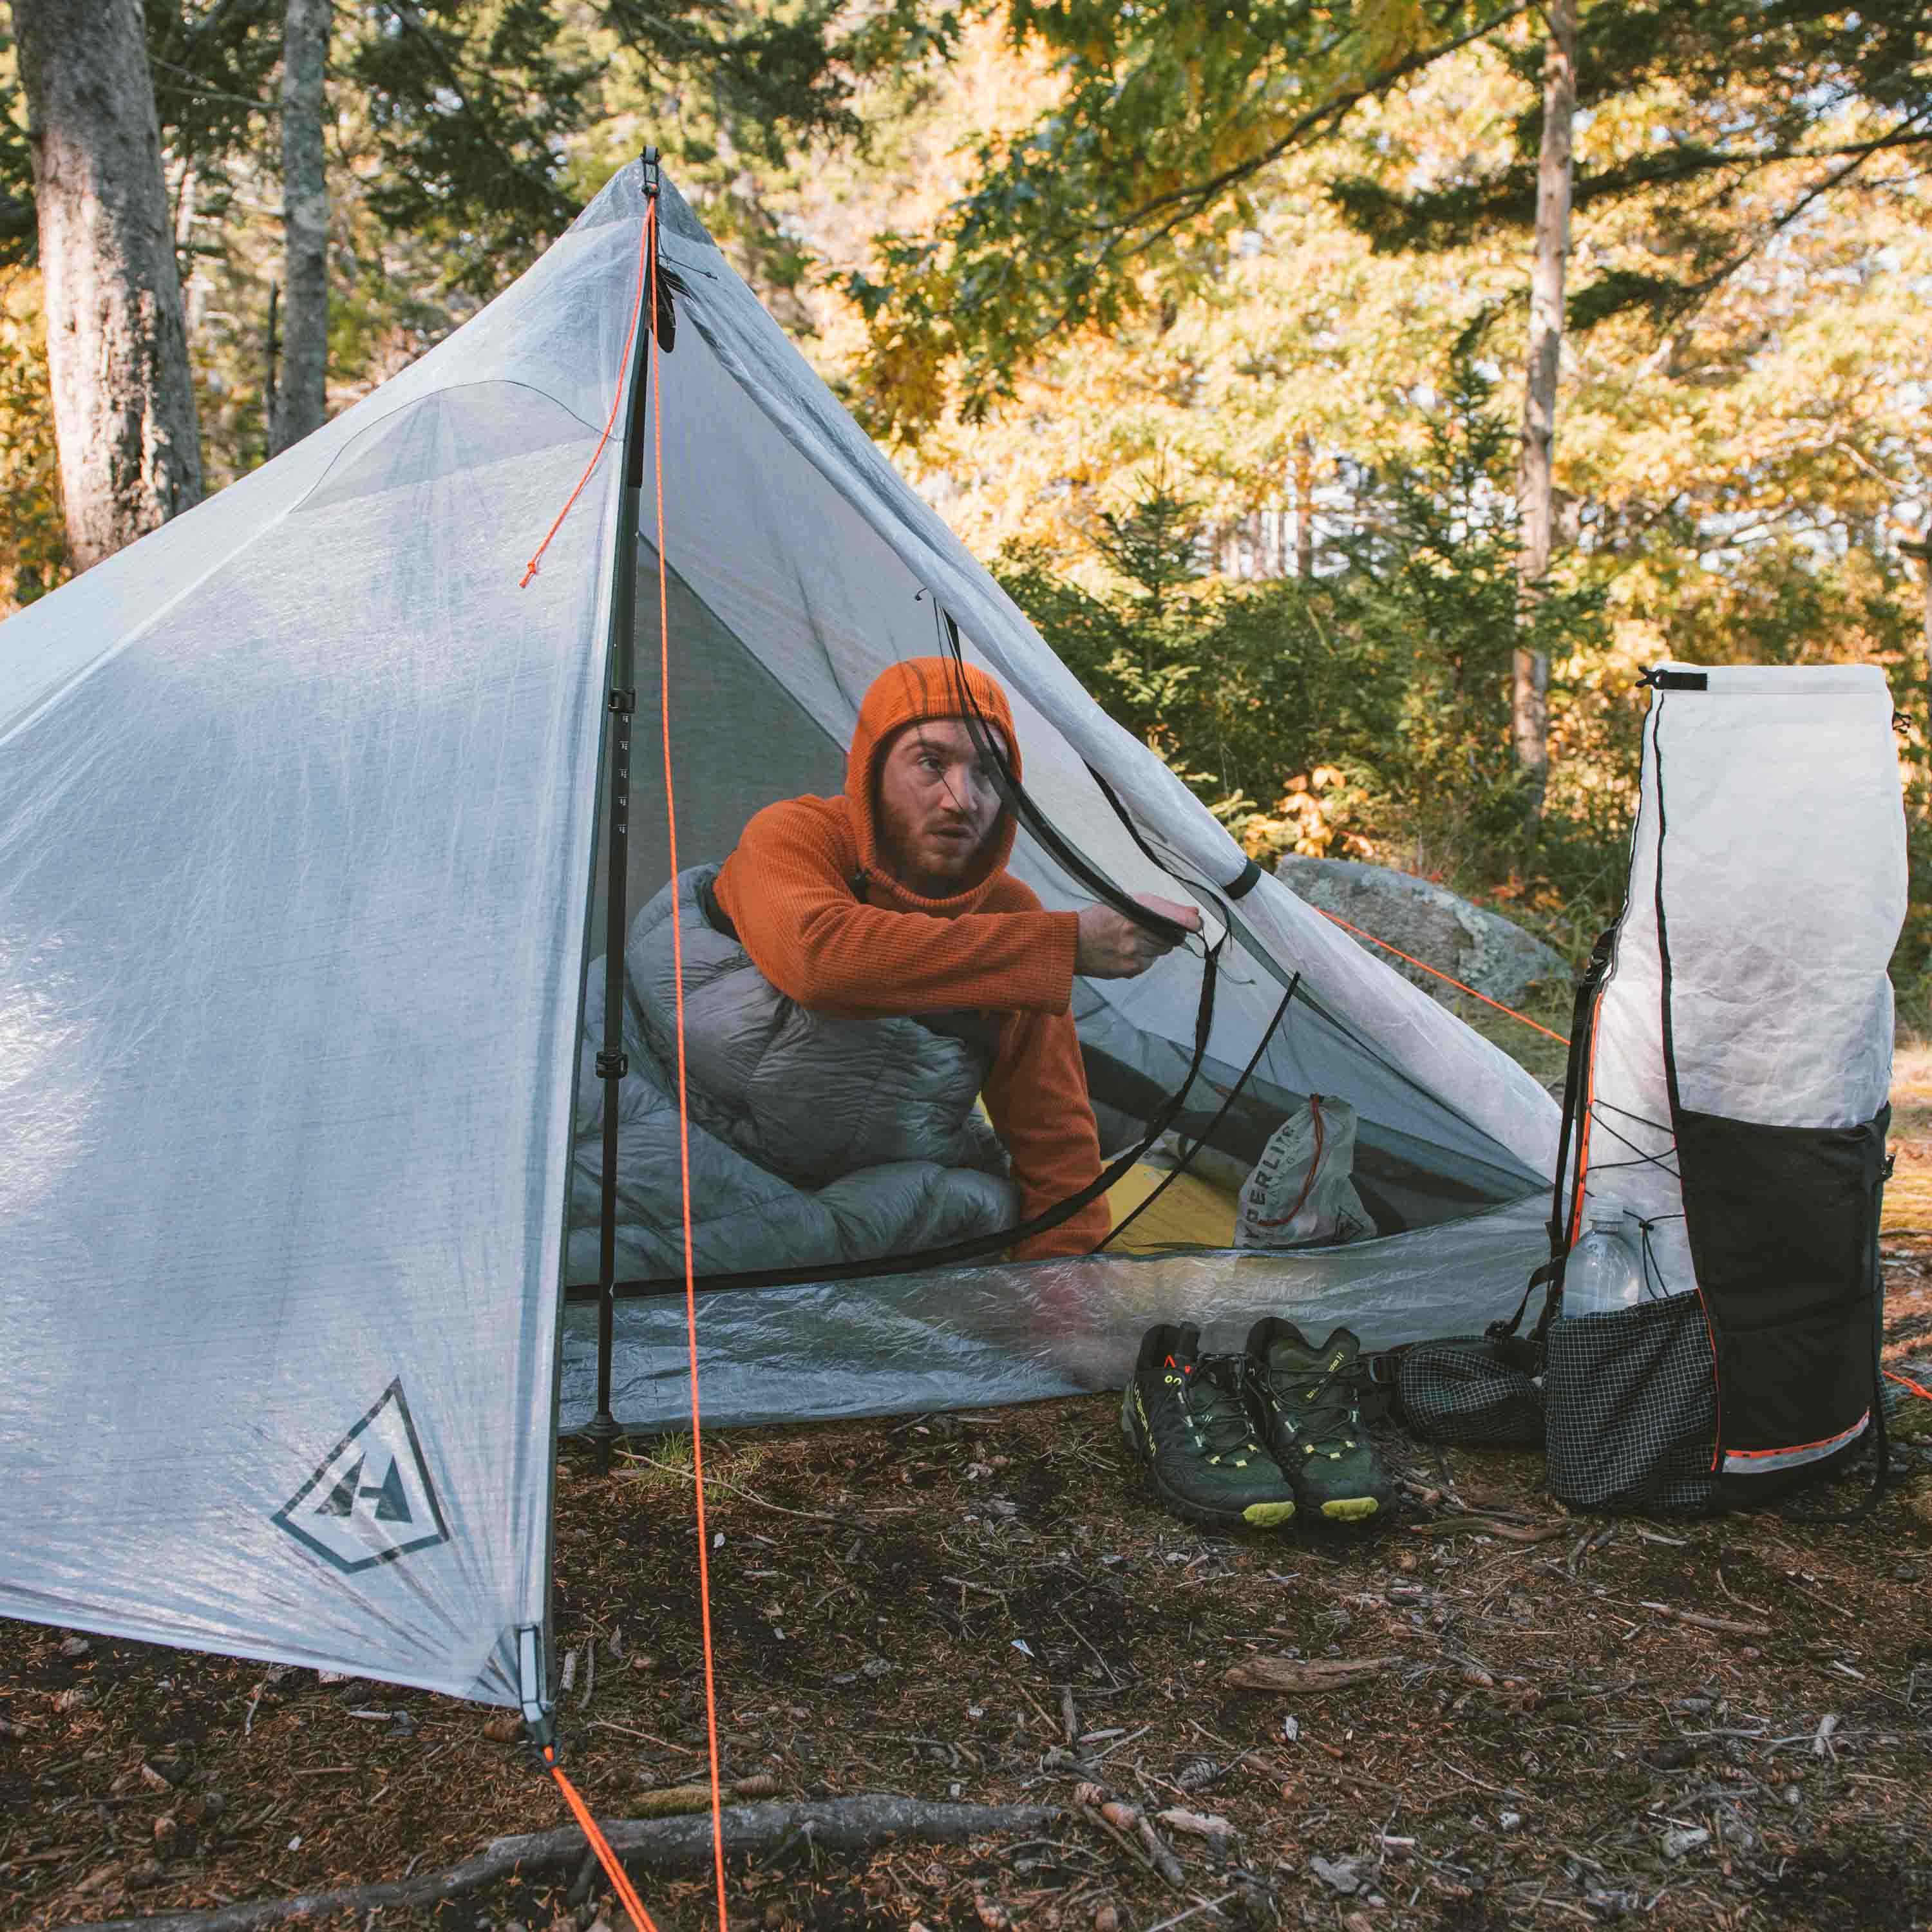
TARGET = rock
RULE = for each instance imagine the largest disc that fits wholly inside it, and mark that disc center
(1678, 1844)
(1341, 1874)
(1481, 948)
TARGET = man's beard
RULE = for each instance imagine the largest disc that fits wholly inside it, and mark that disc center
(936, 868)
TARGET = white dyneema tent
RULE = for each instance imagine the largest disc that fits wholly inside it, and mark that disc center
(301, 881)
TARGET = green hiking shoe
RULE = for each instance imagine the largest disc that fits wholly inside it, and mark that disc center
(1184, 1416)
(1309, 1404)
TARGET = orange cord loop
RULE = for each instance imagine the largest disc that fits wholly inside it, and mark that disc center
(1906, 1381)
(614, 1866)
(1561, 1038)
(645, 253)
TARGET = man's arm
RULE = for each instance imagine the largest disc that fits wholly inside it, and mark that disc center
(809, 934)
(1037, 1094)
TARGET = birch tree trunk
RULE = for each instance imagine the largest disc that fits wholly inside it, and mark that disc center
(301, 393)
(1304, 506)
(1530, 733)
(124, 419)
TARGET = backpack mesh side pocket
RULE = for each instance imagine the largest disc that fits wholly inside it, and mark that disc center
(1467, 1390)
(1633, 1403)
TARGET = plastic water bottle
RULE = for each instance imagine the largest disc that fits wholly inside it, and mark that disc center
(1603, 1273)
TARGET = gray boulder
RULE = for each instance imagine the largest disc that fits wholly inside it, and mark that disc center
(1481, 949)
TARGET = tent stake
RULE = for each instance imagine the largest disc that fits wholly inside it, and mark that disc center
(612, 1064)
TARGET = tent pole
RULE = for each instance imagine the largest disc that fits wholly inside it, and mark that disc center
(622, 703)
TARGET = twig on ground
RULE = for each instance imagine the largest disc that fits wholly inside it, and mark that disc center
(842, 1824)
(1484, 1526)
(1120, 1838)
(1727, 1626)
(1309, 1676)
(1206, 1905)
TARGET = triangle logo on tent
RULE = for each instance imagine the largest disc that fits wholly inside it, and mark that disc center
(370, 1499)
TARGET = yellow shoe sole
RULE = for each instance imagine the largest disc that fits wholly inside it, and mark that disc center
(1349, 1509)
(1266, 1516)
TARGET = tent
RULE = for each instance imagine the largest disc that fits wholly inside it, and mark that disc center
(300, 891)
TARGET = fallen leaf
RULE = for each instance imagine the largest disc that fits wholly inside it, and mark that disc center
(1122, 1816)
(504, 1728)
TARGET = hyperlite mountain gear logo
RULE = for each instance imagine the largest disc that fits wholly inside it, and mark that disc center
(371, 1500)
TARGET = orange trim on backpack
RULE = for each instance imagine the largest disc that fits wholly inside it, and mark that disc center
(1801, 1449)
(1586, 1113)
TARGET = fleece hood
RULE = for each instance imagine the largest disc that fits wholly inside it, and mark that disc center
(918, 691)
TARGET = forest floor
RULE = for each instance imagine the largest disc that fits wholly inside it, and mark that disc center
(1558, 1719)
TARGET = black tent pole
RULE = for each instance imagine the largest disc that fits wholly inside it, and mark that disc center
(622, 703)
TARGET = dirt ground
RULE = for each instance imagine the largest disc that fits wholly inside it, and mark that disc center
(1545, 1735)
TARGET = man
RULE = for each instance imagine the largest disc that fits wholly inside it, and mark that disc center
(895, 899)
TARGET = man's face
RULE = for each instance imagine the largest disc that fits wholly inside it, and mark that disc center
(938, 802)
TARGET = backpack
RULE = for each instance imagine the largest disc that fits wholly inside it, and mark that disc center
(1725, 1106)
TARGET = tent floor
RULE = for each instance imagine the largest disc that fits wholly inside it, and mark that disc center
(872, 1584)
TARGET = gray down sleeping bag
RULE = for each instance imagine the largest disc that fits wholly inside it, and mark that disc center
(814, 1140)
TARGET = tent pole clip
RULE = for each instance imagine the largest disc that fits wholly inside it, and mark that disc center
(651, 176)
(622, 699)
(532, 1693)
(613, 1066)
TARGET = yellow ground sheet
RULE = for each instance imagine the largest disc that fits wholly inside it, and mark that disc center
(1192, 1210)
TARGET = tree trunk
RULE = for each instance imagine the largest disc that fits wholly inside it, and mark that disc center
(124, 416)
(1304, 507)
(302, 394)
(1530, 709)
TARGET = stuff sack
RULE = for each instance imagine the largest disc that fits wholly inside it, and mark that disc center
(1478, 1388)
(1715, 1238)
(1299, 1193)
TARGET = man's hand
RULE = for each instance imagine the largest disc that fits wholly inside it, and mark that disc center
(1113, 947)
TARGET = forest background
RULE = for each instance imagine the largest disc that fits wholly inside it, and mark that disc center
(1208, 327)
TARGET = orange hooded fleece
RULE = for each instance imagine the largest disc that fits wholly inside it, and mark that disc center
(827, 924)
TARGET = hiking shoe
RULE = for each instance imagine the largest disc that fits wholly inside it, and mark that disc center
(1182, 1414)
(1308, 1410)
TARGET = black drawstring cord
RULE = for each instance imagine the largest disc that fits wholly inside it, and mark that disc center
(1180, 1167)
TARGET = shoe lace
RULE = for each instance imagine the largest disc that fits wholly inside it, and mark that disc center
(1218, 1415)
(1323, 1405)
